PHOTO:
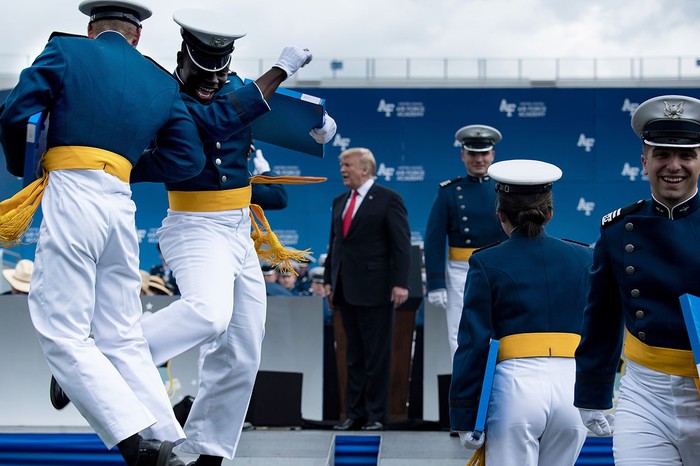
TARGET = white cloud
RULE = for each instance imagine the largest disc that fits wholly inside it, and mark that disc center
(397, 28)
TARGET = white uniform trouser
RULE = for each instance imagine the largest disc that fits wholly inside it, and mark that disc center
(222, 304)
(455, 278)
(657, 419)
(532, 420)
(86, 281)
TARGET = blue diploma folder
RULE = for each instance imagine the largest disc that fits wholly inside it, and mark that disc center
(35, 146)
(486, 387)
(292, 115)
(691, 313)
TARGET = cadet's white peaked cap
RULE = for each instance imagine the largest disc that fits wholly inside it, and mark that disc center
(126, 10)
(524, 176)
(478, 138)
(668, 121)
(208, 37)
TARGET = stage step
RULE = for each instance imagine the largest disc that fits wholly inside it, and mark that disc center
(273, 448)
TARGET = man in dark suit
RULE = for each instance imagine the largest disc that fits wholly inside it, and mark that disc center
(366, 276)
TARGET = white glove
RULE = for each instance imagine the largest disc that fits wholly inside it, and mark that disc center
(292, 59)
(469, 442)
(597, 422)
(438, 297)
(261, 165)
(325, 133)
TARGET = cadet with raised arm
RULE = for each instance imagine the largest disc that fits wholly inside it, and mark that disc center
(206, 237)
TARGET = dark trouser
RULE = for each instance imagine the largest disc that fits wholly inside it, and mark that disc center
(368, 356)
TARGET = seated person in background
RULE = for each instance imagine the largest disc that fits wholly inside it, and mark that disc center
(157, 287)
(163, 271)
(288, 278)
(272, 287)
(153, 285)
(317, 289)
(19, 277)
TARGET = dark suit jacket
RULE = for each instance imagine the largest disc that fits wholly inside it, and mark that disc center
(375, 255)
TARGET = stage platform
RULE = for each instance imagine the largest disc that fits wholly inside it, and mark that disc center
(260, 447)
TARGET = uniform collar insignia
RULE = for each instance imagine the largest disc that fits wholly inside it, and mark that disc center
(681, 210)
(478, 179)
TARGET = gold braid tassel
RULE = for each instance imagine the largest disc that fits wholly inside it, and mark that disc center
(277, 254)
(479, 457)
(17, 212)
(265, 179)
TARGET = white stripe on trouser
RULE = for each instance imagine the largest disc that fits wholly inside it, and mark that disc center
(455, 278)
(85, 281)
(657, 419)
(532, 420)
(222, 305)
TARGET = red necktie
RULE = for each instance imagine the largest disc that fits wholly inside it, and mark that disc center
(347, 218)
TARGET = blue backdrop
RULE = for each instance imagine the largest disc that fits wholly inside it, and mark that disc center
(585, 131)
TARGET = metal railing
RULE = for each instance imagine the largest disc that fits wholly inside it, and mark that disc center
(460, 71)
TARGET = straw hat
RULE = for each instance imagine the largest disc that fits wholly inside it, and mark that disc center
(157, 283)
(20, 276)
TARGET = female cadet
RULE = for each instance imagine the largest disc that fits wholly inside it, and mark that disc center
(528, 292)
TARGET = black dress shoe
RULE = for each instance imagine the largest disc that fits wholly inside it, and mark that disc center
(59, 399)
(156, 453)
(347, 424)
(373, 425)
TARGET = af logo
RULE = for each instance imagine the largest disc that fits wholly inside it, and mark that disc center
(386, 172)
(339, 141)
(585, 206)
(628, 106)
(386, 108)
(583, 141)
(630, 171)
(507, 108)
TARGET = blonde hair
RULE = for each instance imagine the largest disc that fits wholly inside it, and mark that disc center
(365, 157)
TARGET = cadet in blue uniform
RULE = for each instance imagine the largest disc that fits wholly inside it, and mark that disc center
(461, 220)
(645, 259)
(106, 102)
(206, 236)
(528, 292)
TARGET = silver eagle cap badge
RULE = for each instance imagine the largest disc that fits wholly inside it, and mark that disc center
(673, 111)
(217, 41)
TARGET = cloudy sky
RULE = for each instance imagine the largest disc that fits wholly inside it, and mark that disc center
(394, 28)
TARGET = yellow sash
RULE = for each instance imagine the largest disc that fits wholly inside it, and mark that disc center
(535, 345)
(239, 198)
(210, 201)
(16, 213)
(530, 345)
(460, 254)
(667, 360)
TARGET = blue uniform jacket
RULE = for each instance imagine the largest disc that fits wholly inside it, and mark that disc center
(518, 286)
(224, 128)
(269, 196)
(103, 93)
(464, 216)
(645, 259)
